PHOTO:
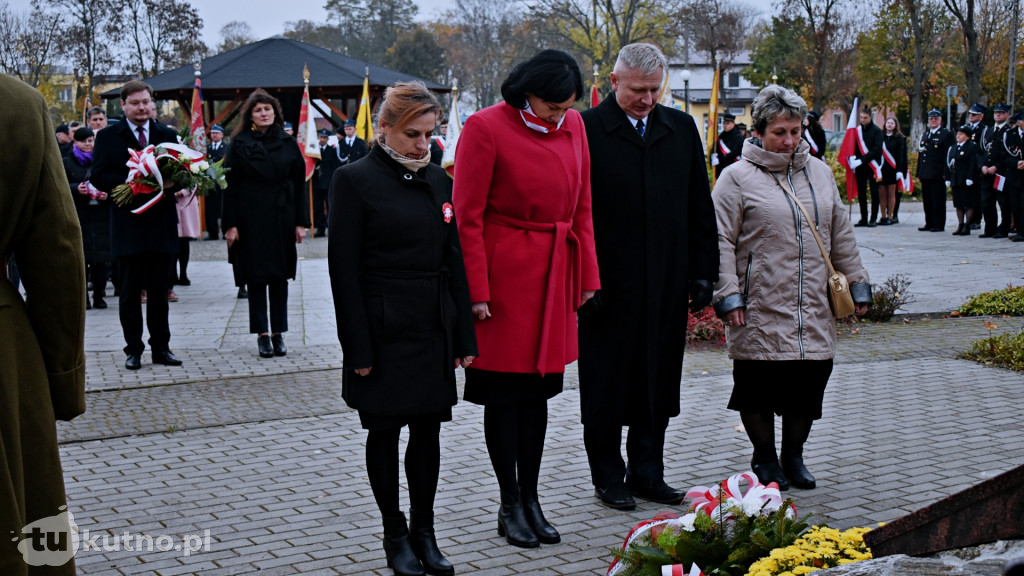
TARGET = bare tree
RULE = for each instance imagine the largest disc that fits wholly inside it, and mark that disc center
(28, 44)
(370, 27)
(92, 27)
(717, 28)
(833, 32)
(964, 12)
(161, 34)
(235, 34)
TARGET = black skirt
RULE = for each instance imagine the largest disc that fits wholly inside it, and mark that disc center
(370, 421)
(786, 387)
(489, 388)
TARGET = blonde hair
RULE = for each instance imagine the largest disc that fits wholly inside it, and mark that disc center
(405, 101)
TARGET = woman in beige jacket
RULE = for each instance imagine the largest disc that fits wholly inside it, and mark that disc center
(771, 291)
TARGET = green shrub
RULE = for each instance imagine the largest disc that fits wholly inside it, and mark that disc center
(1006, 302)
(1006, 350)
(704, 326)
(891, 295)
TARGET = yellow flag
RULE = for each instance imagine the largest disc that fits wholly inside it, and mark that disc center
(712, 135)
(364, 120)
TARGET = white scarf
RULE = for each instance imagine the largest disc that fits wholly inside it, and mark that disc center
(533, 122)
(412, 164)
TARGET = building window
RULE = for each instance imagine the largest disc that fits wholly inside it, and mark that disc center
(65, 95)
(734, 80)
(837, 122)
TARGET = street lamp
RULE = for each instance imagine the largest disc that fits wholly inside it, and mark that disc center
(685, 75)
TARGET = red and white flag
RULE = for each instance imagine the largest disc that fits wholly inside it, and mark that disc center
(197, 128)
(849, 148)
(451, 136)
(305, 136)
(999, 182)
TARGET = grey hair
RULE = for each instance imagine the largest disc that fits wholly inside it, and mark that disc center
(642, 57)
(775, 102)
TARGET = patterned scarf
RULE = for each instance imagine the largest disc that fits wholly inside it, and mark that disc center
(535, 123)
(410, 163)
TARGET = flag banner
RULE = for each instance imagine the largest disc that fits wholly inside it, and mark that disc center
(305, 136)
(364, 120)
(712, 133)
(906, 184)
(807, 137)
(197, 128)
(876, 167)
(451, 137)
(848, 149)
(595, 98)
(999, 182)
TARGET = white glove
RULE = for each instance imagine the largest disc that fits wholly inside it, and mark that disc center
(853, 162)
(949, 184)
(714, 159)
(970, 182)
(899, 176)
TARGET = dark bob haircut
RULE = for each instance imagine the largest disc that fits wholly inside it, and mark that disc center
(551, 75)
(259, 96)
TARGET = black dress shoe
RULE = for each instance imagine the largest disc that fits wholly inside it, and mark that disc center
(1017, 238)
(861, 223)
(133, 362)
(987, 235)
(184, 282)
(616, 496)
(797, 473)
(166, 358)
(872, 224)
(768, 472)
(938, 229)
(654, 490)
(1000, 235)
(99, 302)
(264, 346)
(975, 226)
(278, 341)
(924, 229)
(894, 220)
(243, 293)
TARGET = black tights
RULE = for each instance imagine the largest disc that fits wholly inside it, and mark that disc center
(184, 250)
(515, 443)
(760, 428)
(422, 466)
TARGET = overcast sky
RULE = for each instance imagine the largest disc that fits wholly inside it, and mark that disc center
(265, 17)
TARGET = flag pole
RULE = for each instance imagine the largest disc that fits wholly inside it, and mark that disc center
(309, 182)
(195, 94)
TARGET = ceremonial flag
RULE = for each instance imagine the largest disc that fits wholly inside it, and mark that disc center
(665, 96)
(451, 137)
(197, 128)
(305, 136)
(595, 98)
(712, 134)
(364, 120)
(999, 182)
(847, 149)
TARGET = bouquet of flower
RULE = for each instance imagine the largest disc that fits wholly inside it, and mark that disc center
(724, 530)
(820, 547)
(167, 168)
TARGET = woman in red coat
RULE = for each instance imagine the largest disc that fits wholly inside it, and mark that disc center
(522, 197)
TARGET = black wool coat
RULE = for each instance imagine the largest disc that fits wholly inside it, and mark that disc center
(963, 163)
(654, 230)
(94, 218)
(399, 285)
(154, 231)
(266, 200)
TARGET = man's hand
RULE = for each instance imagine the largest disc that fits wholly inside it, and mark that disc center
(701, 292)
(231, 235)
(300, 233)
(853, 162)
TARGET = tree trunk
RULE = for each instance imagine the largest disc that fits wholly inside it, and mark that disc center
(917, 91)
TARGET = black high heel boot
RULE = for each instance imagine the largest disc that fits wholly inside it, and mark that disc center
(424, 544)
(794, 434)
(264, 346)
(545, 532)
(398, 548)
(512, 523)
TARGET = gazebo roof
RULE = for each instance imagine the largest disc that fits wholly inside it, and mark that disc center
(276, 64)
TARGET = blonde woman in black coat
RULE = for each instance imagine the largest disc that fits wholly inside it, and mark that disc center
(403, 311)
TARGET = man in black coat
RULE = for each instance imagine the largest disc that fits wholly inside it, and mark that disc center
(994, 202)
(979, 134)
(1013, 162)
(214, 200)
(931, 164)
(350, 147)
(729, 145)
(144, 244)
(867, 161)
(657, 247)
(322, 174)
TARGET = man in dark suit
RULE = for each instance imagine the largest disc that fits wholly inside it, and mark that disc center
(350, 146)
(1013, 163)
(931, 164)
(144, 244)
(979, 134)
(729, 145)
(657, 243)
(994, 202)
(867, 164)
(215, 151)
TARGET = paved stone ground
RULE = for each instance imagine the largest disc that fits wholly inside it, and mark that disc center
(265, 456)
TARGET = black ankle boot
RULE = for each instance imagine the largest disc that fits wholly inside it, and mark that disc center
(512, 523)
(768, 472)
(545, 532)
(264, 346)
(398, 548)
(424, 544)
(797, 473)
(278, 341)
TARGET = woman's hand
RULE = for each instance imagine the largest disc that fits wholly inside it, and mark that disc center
(83, 187)
(231, 235)
(465, 361)
(482, 311)
(586, 295)
(860, 309)
(300, 233)
(736, 317)
(364, 371)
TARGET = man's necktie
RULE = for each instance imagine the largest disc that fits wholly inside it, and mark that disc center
(142, 136)
(640, 127)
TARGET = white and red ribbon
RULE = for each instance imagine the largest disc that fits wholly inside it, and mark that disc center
(889, 157)
(533, 122)
(810, 140)
(146, 162)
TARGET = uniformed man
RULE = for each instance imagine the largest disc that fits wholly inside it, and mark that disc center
(980, 132)
(322, 175)
(1013, 161)
(213, 202)
(931, 163)
(867, 166)
(729, 145)
(994, 201)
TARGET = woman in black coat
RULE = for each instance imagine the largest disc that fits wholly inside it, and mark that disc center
(93, 210)
(815, 135)
(264, 212)
(403, 312)
(894, 168)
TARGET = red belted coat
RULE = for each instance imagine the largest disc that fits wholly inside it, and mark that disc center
(522, 199)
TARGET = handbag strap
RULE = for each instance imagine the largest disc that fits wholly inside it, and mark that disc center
(810, 223)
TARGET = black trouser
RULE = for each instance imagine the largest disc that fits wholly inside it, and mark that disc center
(645, 445)
(181, 260)
(933, 195)
(212, 212)
(422, 466)
(144, 272)
(865, 181)
(278, 322)
(895, 208)
(989, 208)
(320, 208)
(98, 277)
(1016, 196)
